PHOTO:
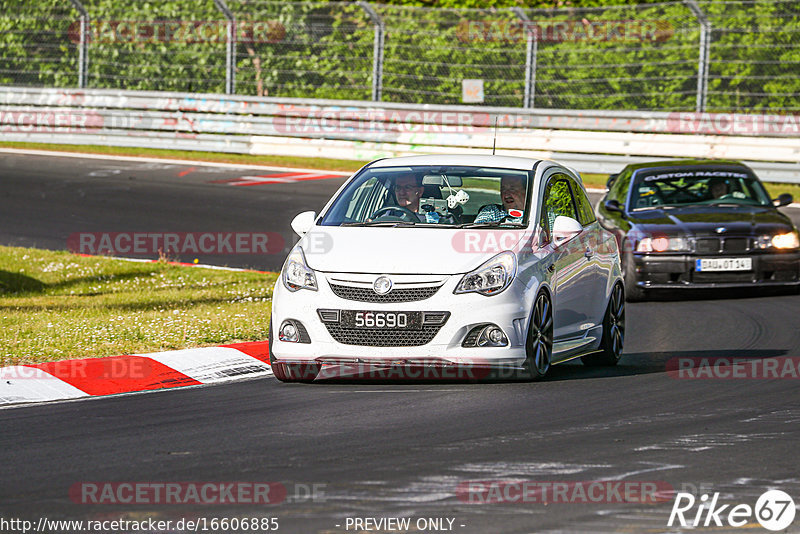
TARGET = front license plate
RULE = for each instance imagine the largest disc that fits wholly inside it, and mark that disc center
(381, 320)
(723, 264)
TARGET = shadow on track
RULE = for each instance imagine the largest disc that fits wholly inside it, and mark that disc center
(632, 364)
(666, 295)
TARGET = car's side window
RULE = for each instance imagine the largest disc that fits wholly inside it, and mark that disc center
(585, 211)
(366, 200)
(557, 201)
(619, 190)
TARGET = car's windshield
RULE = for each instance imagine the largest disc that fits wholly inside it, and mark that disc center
(435, 196)
(701, 185)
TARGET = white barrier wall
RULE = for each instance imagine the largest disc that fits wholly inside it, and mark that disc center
(590, 141)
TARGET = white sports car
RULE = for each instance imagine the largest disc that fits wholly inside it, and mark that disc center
(429, 265)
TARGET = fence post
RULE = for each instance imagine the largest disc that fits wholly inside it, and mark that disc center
(705, 45)
(230, 48)
(83, 45)
(377, 51)
(531, 50)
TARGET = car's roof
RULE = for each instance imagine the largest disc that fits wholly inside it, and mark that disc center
(683, 163)
(503, 162)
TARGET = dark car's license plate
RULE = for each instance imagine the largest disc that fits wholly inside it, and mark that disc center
(381, 320)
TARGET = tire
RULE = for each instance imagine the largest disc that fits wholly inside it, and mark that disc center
(613, 339)
(633, 292)
(539, 343)
(304, 373)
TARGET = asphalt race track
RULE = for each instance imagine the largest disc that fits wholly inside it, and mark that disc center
(44, 200)
(396, 449)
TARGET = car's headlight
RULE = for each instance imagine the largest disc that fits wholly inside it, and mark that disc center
(491, 277)
(781, 241)
(663, 244)
(296, 272)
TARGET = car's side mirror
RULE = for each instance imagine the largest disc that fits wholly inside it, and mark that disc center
(783, 200)
(303, 222)
(564, 229)
(614, 205)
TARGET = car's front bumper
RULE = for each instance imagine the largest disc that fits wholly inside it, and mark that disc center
(654, 271)
(444, 350)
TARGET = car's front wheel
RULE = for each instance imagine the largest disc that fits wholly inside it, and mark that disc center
(633, 292)
(613, 339)
(539, 344)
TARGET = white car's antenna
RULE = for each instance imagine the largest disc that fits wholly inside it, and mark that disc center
(494, 141)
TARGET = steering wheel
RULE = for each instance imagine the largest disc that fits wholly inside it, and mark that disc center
(405, 213)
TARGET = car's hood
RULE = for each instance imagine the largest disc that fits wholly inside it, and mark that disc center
(403, 250)
(706, 219)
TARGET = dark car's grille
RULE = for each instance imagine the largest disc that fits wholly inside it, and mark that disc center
(716, 245)
(366, 294)
(735, 244)
(382, 338)
(707, 246)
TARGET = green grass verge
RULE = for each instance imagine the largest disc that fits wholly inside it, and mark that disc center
(57, 305)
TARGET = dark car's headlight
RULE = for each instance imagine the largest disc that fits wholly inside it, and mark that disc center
(663, 244)
(492, 277)
(296, 272)
(788, 240)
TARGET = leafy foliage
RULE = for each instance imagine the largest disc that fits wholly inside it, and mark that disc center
(595, 56)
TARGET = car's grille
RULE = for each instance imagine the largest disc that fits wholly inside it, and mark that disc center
(735, 244)
(382, 338)
(432, 322)
(716, 245)
(366, 294)
(707, 246)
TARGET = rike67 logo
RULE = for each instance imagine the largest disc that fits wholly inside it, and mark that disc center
(774, 510)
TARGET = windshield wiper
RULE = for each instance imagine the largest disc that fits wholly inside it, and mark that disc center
(489, 224)
(389, 224)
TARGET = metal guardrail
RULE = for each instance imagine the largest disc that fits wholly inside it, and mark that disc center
(590, 141)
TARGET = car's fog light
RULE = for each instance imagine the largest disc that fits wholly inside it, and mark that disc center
(497, 336)
(293, 331)
(486, 335)
(289, 333)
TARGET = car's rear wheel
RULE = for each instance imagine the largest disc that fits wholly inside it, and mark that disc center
(613, 338)
(539, 344)
(290, 372)
(633, 292)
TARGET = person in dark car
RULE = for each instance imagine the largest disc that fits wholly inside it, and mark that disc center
(718, 187)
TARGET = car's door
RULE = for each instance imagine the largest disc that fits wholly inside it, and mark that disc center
(599, 256)
(571, 278)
